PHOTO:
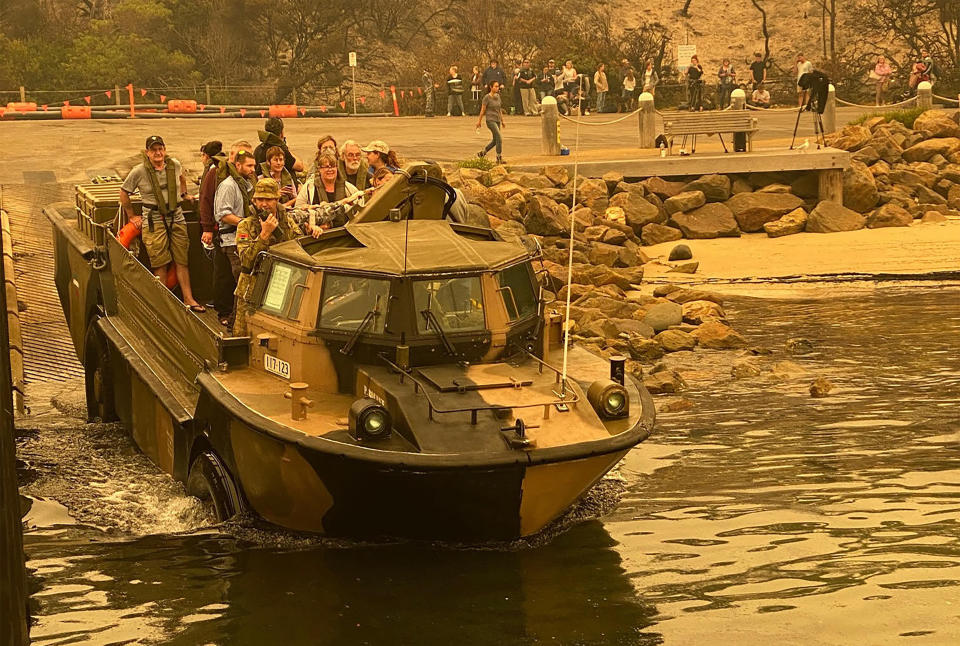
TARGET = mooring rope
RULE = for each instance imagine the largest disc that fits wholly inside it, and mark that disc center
(602, 123)
(876, 107)
(943, 98)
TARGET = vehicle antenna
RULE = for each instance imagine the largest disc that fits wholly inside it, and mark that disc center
(573, 209)
(406, 237)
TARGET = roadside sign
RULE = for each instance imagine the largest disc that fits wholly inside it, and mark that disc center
(353, 59)
(684, 52)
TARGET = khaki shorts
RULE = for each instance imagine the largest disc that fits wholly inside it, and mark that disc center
(162, 250)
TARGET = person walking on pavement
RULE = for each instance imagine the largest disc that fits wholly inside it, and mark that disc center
(491, 110)
(454, 92)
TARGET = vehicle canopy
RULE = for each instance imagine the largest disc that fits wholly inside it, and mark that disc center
(403, 248)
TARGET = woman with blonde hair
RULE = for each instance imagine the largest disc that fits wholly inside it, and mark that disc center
(881, 76)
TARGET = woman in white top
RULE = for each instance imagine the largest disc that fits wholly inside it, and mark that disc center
(569, 74)
(629, 92)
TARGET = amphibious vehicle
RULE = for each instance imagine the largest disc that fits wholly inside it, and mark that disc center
(402, 375)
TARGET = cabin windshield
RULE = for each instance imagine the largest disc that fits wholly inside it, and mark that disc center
(516, 288)
(456, 304)
(347, 300)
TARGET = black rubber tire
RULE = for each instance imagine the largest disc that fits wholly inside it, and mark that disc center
(210, 481)
(98, 377)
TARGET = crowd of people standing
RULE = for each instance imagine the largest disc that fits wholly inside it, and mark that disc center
(522, 89)
(244, 196)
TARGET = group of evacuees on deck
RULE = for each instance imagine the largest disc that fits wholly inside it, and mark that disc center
(250, 198)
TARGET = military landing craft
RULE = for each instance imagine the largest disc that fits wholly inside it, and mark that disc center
(402, 375)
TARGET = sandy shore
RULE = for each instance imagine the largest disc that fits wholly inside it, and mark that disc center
(909, 252)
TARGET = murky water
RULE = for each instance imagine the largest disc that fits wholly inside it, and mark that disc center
(761, 514)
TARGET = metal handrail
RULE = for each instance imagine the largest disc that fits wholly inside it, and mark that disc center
(419, 386)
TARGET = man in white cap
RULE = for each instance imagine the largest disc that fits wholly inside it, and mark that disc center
(379, 156)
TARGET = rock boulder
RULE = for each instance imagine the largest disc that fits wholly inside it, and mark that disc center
(712, 220)
(830, 217)
(753, 210)
(889, 215)
(859, 188)
(637, 211)
(683, 202)
(718, 336)
(715, 188)
(793, 222)
(937, 124)
(654, 233)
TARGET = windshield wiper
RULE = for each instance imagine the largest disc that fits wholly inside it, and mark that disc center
(372, 314)
(432, 320)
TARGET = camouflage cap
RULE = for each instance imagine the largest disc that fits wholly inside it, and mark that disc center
(376, 146)
(267, 188)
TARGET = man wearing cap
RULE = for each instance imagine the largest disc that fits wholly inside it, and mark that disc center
(380, 156)
(231, 204)
(163, 229)
(257, 232)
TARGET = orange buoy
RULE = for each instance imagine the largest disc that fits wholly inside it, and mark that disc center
(283, 111)
(126, 236)
(75, 112)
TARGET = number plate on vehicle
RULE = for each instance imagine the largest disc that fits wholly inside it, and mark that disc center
(276, 366)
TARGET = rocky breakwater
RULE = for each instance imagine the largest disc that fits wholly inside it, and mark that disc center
(609, 313)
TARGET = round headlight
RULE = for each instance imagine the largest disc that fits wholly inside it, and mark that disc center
(369, 420)
(608, 398)
(615, 401)
(375, 423)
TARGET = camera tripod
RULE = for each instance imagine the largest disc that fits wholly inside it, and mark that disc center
(818, 131)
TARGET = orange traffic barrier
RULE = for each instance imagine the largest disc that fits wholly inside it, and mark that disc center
(283, 111)
(126, 235)
(75, 112)
(182, 106)
(22, 107)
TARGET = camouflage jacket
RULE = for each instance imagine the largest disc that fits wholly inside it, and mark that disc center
(249, 243)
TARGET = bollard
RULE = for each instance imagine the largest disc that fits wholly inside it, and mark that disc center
(830, 112)
(648, 121)
(23, 94)
(298, 403)
(549, 122)
(925, 95)
(738, 100)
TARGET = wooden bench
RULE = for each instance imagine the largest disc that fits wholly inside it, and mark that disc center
(708, 123)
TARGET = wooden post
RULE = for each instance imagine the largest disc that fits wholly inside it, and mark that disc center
(116, 94)
(831, 185)
(549, 123)
(924, 95)
(738, 100)
(648, 121)
(830, 113)
(206, 87)
(23, 95)
(293, 94)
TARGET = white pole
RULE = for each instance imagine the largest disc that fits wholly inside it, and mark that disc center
(354, 68)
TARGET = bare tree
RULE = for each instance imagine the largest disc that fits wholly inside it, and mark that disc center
(763, 28)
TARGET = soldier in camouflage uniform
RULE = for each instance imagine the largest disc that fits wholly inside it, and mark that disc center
(256, 233)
